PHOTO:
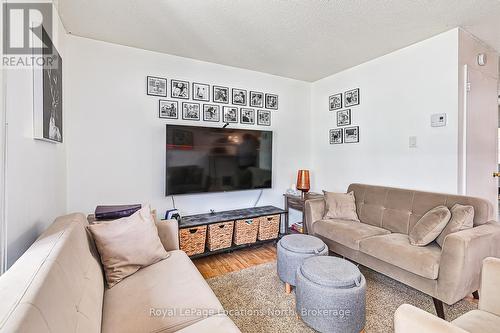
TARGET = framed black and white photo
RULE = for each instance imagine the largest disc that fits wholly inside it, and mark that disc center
(179, 89)
(220, 94)
(211, 112)
(271, 101)
(256, 99)
(351, 134)
(351, 97)
(201, 92)
(230, 114)
(247, 116)
(156, 86)
(239, 97)
(336, 136)
(335, 102)
(344, 117)
(168, 109)
(190, 111)
(264, 117)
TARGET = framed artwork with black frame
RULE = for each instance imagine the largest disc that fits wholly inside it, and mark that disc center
(351, 97)
(201, 92)
(220, 94)
(264, 117)
(344, 117)
(271, 102)
(230, 114)
(336, 136)
(156, 86)
(179, 89)
(335, 102)
(168, 109)
(211, 112)
(351, 134)
(239, 97)
(256, 99)
(190, 111)
(247, 116)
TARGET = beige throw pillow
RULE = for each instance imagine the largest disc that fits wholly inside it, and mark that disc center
(462, 217)
(340, 206)
(128, 244)
(429, 226)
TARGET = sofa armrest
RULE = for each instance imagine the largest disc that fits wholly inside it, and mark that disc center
(409, 319)
(461, 260)
(490, 283)
(314, 211)
(168, 231)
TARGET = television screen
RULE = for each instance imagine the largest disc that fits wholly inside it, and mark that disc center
(208, 159)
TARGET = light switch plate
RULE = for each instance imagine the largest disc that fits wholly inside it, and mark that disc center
(438, 120)
(412, 142)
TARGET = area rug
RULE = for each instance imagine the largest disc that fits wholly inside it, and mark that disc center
(256, 301)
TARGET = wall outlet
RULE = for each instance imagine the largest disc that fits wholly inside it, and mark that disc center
(438, 120)
(412, 142)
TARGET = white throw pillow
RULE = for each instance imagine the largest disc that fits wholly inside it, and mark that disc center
(340, 206)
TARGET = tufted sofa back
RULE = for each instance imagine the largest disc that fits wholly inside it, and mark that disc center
(398, 210)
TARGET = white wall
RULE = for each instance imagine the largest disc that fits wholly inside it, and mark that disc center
(398, 94)
(116, 141)
(35, 171)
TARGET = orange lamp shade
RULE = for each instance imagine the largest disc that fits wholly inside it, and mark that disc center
(303, 182)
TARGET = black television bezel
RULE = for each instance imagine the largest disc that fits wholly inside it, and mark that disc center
(221, 129)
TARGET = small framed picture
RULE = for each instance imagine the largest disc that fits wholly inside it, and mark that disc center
(201, 92)
(211, 112)
(156, 86)
(351, 97)
(264, 117)
(344, 117)
(239, 97)
(230, 114)
(168, 109)
(179, 89)
(351, 134)
(220, 94)
(247, 116)
(335, 102)
(271, 102)
(256, 99)
(190, 111)
(336, 136)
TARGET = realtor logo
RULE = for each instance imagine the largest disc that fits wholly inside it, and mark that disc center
(24, 28)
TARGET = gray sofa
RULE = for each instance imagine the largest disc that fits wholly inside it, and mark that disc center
(58, 286)
(381, 242)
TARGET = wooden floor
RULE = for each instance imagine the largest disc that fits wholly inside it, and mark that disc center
(220, 264)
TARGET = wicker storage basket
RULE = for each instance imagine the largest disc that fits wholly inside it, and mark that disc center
(220, 235)
(269, 227)
(245, 231)
(192, 240)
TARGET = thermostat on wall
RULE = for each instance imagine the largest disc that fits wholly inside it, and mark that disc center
(438, 120)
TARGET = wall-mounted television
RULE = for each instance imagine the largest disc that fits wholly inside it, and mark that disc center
(209, 159)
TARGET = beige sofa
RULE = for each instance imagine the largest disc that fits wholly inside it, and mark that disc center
(409, 319)
(381, 242)
(58, 286)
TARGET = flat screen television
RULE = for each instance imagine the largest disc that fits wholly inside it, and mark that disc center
(208, 159)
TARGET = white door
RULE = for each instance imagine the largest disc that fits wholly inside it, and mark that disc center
(482, 136)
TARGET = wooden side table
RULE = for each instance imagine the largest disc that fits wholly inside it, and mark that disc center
(298, 203)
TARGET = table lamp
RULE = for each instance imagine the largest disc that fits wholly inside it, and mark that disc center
(303, 182)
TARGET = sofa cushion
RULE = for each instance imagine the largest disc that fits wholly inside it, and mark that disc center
(346, 232)
(430, 226)
(462, 217)
(477, 321)
(396, 249)
(173, 286)
(340, 206)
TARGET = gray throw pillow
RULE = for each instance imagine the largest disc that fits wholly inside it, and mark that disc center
(462, 217)
(429, 226)
(340, 206)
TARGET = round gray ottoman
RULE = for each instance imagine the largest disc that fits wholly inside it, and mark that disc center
(330, 295)
(291, 252)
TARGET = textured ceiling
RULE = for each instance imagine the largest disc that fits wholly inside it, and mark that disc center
(301, 39)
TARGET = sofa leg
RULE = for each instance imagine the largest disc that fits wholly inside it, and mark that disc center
(475, 294)
(438, 305)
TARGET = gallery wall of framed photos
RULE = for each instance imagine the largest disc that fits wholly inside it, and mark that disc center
(211, 103)
(344, 105)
